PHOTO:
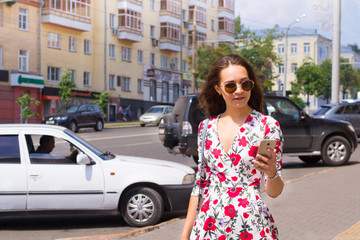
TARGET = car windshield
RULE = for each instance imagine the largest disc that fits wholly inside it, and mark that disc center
(103, 155)
(321, 111)
(155, 110)
(69, 109)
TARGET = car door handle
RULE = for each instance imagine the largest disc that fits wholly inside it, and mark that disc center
(35, 177)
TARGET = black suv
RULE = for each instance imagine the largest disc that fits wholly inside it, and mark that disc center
(310, 139)
(77, 116)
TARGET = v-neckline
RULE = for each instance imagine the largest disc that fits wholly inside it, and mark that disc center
(235, 137)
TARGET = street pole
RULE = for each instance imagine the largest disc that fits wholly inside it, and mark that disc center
(335, 79)
(193, 50)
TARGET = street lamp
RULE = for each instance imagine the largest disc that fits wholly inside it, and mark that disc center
(286, 49)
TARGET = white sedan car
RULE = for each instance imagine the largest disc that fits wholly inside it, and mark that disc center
(76, 176)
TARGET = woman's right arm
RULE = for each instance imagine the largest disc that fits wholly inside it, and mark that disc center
(190, 217)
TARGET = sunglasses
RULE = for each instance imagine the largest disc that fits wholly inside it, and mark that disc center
(246, 85)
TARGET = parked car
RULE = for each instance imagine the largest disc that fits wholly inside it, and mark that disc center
(141, 189)
(309, 138)
(345, 111)
(154, 114)
(77, 116)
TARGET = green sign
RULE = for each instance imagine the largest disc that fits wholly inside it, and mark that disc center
(30, 80)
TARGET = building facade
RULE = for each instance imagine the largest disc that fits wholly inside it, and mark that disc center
(138, 51)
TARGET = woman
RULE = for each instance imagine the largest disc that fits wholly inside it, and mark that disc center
(230, 200)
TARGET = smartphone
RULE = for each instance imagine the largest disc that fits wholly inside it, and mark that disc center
(264, 145)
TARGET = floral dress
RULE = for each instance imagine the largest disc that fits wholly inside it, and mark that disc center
(233, 207)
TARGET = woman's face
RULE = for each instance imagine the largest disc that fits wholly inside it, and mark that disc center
(234, 74)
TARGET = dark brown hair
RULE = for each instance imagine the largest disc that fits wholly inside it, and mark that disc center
(211, 102)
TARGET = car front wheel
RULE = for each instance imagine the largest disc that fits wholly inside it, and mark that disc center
(73, 126)
(142, 206)
(336, 151)
(99, 125)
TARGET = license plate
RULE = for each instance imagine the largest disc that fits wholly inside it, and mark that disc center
(161, 131)
(50, 122)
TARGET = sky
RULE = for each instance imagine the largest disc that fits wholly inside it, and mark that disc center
(260, 14)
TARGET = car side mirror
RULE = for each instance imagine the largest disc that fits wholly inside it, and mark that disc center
(83, 159)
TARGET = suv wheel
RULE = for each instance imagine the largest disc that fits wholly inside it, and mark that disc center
(142, 206)
(310, 159)
(99, 125)
(336, 151)
(73, 126)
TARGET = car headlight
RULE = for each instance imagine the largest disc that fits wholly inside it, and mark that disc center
(189, 179)
(62, 118)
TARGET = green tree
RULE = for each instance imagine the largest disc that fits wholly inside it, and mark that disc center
(349, 79)
(354, 47)
(102, 101)
(26, 101)
(325, 86)
(65, 86)
(238, 27)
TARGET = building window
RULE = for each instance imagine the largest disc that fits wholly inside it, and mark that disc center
(152, 59)
(176, 91)
(165, 92)
(183, 66)
(79, 8)
(184, 40)
(164, 62)
(140, 56)
(87, 79)
(153, 90)
(200, 14)
(140, 86)
(185, 90)
(111, 81)
(306, 48)
(54, 40)
(72, 44)
(130, 19)
(112, 51)
(174, 64)
(198, 38)
(281, 69)
(53, 74)
(125, 54)
(73, 75)
(171, 6)
(23, 61)
(152, 5)
(112, 21)
(170, 31)
(125, 84)
(87, 46)
(212, 25)
(226, 24)
(23, 19)
(152, 31)
(293, 67)
(229, 4)
(281, 49)
(293, 48)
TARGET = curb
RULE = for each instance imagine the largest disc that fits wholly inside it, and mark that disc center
(116, 236)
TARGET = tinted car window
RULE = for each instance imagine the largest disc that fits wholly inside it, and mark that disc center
(281, 109)
(322, 110)
(91, 108)
(155, 110)
(83, 108)
(351, 109)
(9, 149)
(340, 110)
(179, 109)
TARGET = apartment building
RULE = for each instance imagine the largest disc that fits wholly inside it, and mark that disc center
(136, 50)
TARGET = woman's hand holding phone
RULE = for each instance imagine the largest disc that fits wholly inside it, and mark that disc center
(265, 160)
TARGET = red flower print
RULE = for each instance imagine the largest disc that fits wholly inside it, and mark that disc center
(277, 124)
(202, 184)
(205, 206)
(215, 201)
(195, 223)
(262, 233)
(267, 230)
(220, 165)
(200, 126)
(234, 192)
(234, 178)
(230, 211)
(209, 126)
(267, 130)
(272, 219)
(277, 149)
(242, 129)
(263, 121)
(228, 229)
(257, 197)
(246, 215)
(254, 171)
(246, 236)
(208, 144)
(221, 176)
(217, 153)
(222, 237)
(243, 202)
(243, 142)
(253, 151)
(256, 182)
(198, 237)
(209, 224)
(249, 119)
(235, 159)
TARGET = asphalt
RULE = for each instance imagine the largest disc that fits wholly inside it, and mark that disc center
(321, 205)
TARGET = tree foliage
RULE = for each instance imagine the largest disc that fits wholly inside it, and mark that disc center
(102, 100)
(65, 87)
(26, 101)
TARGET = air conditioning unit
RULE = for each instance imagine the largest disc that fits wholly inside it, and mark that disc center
(186, 24)
(154, 42)
(115, 31)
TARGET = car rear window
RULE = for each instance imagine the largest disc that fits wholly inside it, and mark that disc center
(321, 111)
(180, 109)
(9, 149)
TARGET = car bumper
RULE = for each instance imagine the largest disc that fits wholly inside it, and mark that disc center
(178, 196)
(188, 145)
(64, 123)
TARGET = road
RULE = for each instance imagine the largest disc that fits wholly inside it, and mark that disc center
(142, 142)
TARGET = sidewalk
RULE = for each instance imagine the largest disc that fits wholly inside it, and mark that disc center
(120, 124)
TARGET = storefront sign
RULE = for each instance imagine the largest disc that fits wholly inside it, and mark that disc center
(187, 76)
(27, 80)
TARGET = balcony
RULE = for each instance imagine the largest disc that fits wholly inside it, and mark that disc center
(74, 14)
(166, 44)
